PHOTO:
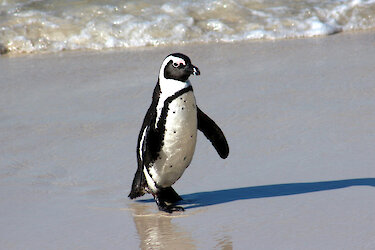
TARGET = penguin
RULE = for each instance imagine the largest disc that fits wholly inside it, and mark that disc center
(167, 139)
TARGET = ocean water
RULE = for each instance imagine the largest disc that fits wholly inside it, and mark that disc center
(29, 26)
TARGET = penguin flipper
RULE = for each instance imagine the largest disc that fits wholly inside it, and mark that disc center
(139, 181)
(213, 133)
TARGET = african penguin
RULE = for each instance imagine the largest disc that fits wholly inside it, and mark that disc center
(167, 139)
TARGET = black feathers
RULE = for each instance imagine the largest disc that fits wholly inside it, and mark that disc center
(213, 133)
(180, 70)
(139, 184)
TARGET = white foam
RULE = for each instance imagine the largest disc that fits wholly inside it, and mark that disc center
(75, 25)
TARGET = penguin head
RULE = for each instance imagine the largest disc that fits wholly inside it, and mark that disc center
(178, 67)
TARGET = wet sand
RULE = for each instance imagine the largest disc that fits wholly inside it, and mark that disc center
(298, 116)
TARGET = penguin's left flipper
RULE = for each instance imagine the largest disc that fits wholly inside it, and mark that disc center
(213, 133)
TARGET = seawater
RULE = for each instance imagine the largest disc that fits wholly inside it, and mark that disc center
(29, 26)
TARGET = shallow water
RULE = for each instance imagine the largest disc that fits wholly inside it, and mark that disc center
(28, 26)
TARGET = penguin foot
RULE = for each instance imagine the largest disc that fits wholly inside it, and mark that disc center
(171, 208)
(166, 208)
(168, 195)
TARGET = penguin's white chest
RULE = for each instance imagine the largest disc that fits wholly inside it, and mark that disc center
(179, 141)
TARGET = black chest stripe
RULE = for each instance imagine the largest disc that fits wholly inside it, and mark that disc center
(155, 138)
(164, 111)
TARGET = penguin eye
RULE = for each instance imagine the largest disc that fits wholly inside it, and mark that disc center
(175, 65)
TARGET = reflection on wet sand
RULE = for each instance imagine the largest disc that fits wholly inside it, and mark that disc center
(157, 231)
(225, 243)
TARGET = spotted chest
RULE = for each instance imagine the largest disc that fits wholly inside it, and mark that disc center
(179, 141)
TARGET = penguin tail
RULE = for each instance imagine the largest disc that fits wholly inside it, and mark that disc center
(138, 186)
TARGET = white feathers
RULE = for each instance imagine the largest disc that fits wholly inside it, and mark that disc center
(168, 87)
(141, 146)
(179, 141)
(150, 181)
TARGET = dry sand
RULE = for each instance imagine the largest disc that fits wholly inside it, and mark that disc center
(299, 116)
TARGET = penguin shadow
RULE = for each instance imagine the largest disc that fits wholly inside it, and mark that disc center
(204, 199)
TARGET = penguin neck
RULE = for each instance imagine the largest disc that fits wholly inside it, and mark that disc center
(168, 87)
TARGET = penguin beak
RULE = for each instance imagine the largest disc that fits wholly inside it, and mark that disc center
(194, 70)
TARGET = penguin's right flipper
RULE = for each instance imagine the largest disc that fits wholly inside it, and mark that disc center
(213, 133)
(139, 181)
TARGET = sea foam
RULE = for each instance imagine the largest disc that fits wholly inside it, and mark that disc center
(30, 26)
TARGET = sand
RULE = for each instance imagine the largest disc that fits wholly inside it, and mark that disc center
(298, 116)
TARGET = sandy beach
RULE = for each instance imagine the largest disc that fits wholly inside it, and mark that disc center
(298, 115)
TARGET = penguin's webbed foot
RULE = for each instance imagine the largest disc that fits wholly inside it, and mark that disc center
(168, 195)
(166, 208)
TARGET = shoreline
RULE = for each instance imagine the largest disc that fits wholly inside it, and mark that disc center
(5, 52)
